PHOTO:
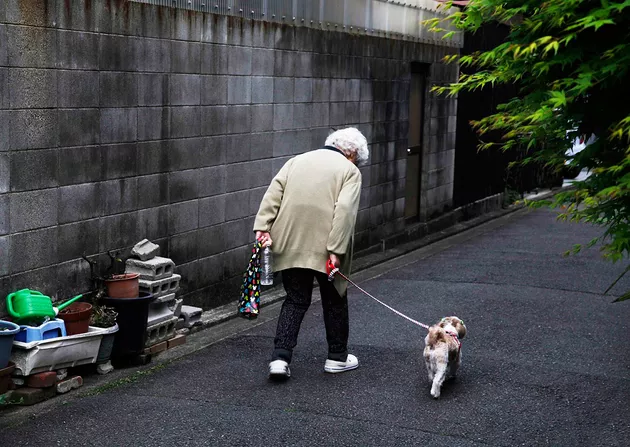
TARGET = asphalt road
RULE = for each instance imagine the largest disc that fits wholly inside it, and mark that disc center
(545, 362)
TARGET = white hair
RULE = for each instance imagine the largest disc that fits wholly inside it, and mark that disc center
(350, 140)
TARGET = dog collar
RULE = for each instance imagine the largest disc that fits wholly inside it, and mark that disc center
(454, 335)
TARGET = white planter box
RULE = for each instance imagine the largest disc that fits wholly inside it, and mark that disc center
(57, 353)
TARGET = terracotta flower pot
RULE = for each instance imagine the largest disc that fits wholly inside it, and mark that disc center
(76, 318)
(123, 286)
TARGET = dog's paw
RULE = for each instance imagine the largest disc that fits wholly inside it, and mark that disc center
(435, 392)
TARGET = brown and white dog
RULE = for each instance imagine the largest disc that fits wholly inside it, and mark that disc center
(442, 353)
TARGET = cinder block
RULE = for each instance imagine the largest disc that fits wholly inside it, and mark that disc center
(214, 120)
(183, 248)
(154, 123)
(79, 202)
(263, 62)
(78, 127)
(237, 205)
(4, 214)
(186, 57)
(262, 118)
(303, 90)
(283, 90)
(118, 125)
(183, 185)
(240, 61)
(303, 116)
(33, 170)
(152, 88)
(33, 209)
(117, 53)
(190, 316)
(4, 86)
(161, 311)
(304, 64)
(239, 119)
(320, 116)
(212, 210)
(337, 113)
(154, 54)
(153, 190)
(184, 153)
(69, 384)
(146, 251)
(338, 90)
(321, 90)
(119, 195)
(214, 90)
(151, 269)
(153, 157)
(78, 88)
(213, 151)
(31, 129)
(176, 307)
(78, 51)
(283, 116)
(4, 55)
(153, 222)
(31, 396)
(185, 122)
(42, 380)
(239, 90)
(119, 160)
(183, 217)
(238, 148)
(32, 88)
(284, 63)
(283, 143)
(118, 89)
(184, 89)
(31, 47)
(353, 90)
(178, 340)
(262, 90)
(214, 59)
(77, 239)
(161, 287)
(161, 332)
(212, 181)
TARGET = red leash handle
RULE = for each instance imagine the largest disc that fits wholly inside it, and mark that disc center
(332, 270)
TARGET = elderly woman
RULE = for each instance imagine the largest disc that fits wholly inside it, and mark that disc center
(309, 212)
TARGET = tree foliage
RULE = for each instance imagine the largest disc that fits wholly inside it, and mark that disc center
(570, 60)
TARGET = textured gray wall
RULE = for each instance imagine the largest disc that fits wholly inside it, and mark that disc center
(120, 121)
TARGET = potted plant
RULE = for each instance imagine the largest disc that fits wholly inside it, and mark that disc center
(118, 283)
(105, 317)
(76, 318)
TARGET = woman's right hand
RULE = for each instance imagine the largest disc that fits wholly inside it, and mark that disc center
(264, 238)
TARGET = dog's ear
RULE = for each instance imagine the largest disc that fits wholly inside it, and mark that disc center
(460, 327)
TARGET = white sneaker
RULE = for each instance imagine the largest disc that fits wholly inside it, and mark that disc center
(333, 366)
(279, 369)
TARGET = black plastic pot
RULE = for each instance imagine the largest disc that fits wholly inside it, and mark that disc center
(132, 323)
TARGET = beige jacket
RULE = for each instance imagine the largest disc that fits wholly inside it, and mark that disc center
(310, 209)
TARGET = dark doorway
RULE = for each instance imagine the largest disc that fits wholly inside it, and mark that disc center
(416, 135)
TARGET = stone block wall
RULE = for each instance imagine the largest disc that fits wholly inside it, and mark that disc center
(120, 121)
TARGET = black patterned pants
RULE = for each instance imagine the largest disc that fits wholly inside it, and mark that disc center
(298, 284)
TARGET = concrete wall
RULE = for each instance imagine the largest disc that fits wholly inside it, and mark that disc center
(120, 121)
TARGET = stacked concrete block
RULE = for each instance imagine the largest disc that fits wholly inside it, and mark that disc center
(158, 278)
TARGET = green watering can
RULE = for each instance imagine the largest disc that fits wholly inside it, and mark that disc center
(32, 306)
